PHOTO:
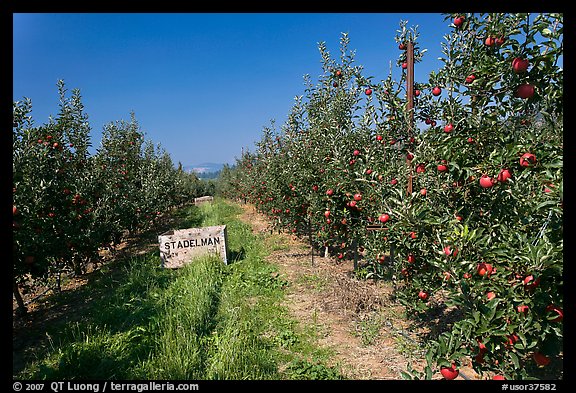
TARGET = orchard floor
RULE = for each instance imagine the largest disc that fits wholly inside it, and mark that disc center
(360, 321)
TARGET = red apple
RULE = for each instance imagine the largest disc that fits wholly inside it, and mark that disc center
(442, 168)
(423, 295)
(556, 310)
(449, 373)
(458, 21)
(525, 90)
(327, 213)
(448, 128)
(330, 192)
(368, 91)
(423, 192)
(498, 377)
(421, 168)
(409, 156)
(523, 309)
(490, 295)
(356, 152)
(394, 181)
(484, 269)
(541, 359)
(520, 65)
(504, 175)
(436, 91)
(383, 218)
(416, 93)
(379, 137)
(402, 46)
(470, 78)
(470, 140)
(357, 197)
(404, 65)
(486, 181)
(489, 41)
(411, 258)
(527, 159)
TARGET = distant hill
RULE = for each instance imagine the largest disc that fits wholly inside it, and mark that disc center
(206, 170)
(204, 167)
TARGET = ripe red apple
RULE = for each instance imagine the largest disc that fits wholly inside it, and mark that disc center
(394, 181)
(314, 187)
(489, 41)
(413, 235)
(436, 91)
(486, 181)
(504, 175)
(442, 168)
(330, 192)
(490, 295)
(379, 137)
(14, 210)
(498, 377)
(423, 192)
(467, 275)
(327, 213)
(356, 152)
(449, 372)
(383, 218)
(470, 78)
(421, 168)
(527, 159)
(423, 295)
(448, 128)
(520, 65)
(416, 92)
(404, 65)
(402, 46)
(368, 91)
(556, 310)
(352, 204)
(358, 197)
(458, 21)
(411, 258)
(523, 309)
(338, 73)
(541, 359)
(525, 90)
(484, 269)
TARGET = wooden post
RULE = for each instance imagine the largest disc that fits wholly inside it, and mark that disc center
(311, 242)
(410, 104)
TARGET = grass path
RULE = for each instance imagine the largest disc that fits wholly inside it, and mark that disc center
(135, 320)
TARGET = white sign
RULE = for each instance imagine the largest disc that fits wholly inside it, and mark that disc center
(179, 247)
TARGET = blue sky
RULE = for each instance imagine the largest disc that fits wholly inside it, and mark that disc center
(203, 85)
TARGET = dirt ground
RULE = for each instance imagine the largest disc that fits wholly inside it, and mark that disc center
(348, 309)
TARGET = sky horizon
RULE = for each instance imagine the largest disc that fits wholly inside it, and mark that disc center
(203, 85)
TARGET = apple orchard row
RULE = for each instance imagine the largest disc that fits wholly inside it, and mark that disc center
(68, 204)
(458, 201)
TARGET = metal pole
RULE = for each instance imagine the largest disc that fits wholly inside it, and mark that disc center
(410, 104)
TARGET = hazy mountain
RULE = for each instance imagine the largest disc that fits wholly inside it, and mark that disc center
(203, 167)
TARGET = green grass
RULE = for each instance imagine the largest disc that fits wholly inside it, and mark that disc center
(206, 320)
